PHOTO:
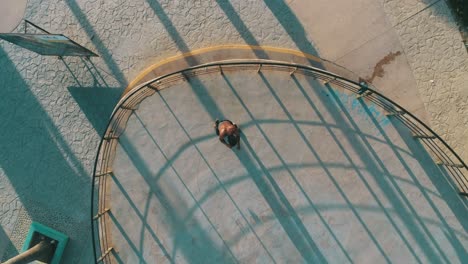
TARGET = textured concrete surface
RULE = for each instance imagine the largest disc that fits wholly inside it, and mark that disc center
(439, 62)
(358, 35)
(54, 111)
(320, 177)
(11, 14)
(233, 53)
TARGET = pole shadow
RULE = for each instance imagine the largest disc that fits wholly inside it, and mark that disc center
(292, 25)
(283, 210)
(145, 224)
(240, 26)
(438, 179)
(185, 233)
(171, 30)
(402, 211)
(138, 254)
(406, 211)
(197, 204)
(443, 184)
(222, 184)
(44, 171)
(214, 111)
(285, 165)
(97, 41)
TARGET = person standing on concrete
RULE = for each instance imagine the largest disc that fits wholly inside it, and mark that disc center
(228, 132)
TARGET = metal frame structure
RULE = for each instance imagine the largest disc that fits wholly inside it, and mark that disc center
(27, 22)
(440, 151)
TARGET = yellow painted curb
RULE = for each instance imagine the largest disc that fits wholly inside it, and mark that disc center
(216, 48)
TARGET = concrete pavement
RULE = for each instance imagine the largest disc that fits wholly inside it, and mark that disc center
(411, 50)
(320, 177)
(56, 110)
(11, 14)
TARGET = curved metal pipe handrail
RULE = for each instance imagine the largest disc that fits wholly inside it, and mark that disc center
(123, 106)
(299, 66)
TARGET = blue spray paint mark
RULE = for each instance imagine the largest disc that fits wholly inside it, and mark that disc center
(357, 107)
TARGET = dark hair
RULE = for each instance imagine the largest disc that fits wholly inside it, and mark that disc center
(232, 140)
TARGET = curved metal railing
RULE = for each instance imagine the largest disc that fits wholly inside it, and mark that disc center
(443, 154)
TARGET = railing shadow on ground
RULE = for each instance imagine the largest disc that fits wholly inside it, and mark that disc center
(206, 249)
(295, 234)
(197, 205)
(176, 37)
(384, 186)
(121, 230)
(145, 225)
(315, 249)
(456, 243)
(275, 204)
(293, 227)
(444, 185)
(317, 155)
(391, 189)
(290, 227)
(200, 200)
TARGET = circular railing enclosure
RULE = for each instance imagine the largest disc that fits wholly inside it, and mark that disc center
(440, 151)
